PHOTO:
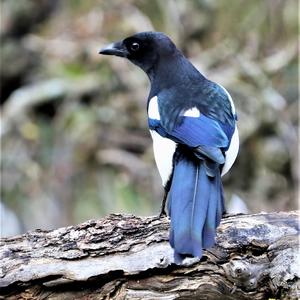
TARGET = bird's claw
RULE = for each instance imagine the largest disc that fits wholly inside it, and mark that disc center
(162, 213)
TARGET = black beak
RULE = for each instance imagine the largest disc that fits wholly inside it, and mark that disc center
(117, 49)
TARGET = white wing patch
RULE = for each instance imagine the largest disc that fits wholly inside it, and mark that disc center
(153, 112)
(164, 150)
(192, 112)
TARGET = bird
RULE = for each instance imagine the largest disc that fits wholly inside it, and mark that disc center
(193, 125)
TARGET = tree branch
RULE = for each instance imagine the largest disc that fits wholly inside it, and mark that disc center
(128, 257)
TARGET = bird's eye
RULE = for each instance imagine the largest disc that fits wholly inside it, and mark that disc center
(135, 46)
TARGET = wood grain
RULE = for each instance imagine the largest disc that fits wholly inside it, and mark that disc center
(128, 257)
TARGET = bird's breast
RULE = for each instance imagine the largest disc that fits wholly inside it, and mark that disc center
(164, 150)
(232, 152)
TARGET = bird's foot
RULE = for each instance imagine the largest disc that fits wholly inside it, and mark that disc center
(163, 204)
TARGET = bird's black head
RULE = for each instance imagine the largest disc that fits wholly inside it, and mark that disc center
(144, 49)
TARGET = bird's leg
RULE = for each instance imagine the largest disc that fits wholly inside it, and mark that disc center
(167, 188)
(163, 205)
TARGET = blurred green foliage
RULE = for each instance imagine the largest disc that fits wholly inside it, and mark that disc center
(75, 143)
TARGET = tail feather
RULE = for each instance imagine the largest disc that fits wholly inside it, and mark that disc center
(180, 208)
(214, 212)
(200, 204)
(195, 207)
(209, 229)
(221, 204)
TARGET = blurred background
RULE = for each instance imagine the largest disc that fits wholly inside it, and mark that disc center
(74, 137)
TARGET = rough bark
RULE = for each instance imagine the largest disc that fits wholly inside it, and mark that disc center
(128, 257)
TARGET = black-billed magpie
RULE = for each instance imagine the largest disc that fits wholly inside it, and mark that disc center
(192, 121)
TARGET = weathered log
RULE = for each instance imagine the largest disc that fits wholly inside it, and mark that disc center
(128, 257)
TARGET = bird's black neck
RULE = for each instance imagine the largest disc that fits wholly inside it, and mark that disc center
(172, 71)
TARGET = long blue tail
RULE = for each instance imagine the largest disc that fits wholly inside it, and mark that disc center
(196, 205)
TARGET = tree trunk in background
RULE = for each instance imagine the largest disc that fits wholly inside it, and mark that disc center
(128, 257)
